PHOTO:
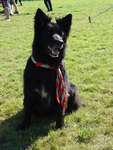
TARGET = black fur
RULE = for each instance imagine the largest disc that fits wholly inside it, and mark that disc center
(39, 83)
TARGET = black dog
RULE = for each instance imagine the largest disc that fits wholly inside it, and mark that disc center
(46, 88)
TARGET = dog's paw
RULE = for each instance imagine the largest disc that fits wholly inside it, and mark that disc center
(60, 124)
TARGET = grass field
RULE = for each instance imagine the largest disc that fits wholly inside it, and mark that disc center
(89, 62)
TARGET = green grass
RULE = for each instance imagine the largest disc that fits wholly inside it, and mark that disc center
(89, 62)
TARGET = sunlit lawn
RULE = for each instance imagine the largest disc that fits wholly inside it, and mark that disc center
(89, 63)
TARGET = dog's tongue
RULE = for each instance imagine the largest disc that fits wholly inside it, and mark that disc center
(55, 53)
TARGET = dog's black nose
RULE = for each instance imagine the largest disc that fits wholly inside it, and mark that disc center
(58, 38)
(59, 43)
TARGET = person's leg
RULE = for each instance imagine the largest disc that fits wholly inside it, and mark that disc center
(16, 1)
(50, 5)
(6, 12)
(47, 4)
(20, 2)
(15, 7)
(7, 9)
(2, 3)
(11, 9)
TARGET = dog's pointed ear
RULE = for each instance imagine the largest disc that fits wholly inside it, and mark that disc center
(65, 23)
(41, 18)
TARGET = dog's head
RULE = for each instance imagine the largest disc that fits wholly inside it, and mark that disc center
(50, 38)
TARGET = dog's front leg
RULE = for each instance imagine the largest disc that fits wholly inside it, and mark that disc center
(60, 119)
(59, 122)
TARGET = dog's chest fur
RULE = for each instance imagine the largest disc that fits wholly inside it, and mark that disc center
(41, 83)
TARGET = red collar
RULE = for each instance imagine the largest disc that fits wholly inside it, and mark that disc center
(40, 64)
(61, 88)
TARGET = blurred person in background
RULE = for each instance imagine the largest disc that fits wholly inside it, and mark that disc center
(6, 7)
(14, 6)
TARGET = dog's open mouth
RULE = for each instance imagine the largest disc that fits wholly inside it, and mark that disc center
(53, 52)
